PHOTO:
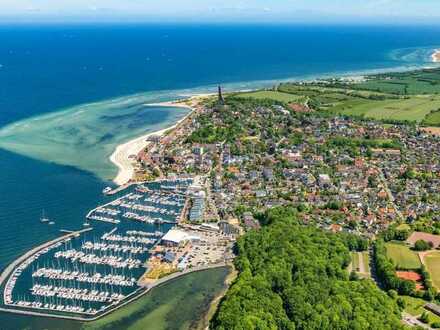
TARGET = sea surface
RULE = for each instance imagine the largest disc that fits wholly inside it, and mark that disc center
(70, 93)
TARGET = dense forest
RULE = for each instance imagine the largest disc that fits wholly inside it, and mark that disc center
(293, 276)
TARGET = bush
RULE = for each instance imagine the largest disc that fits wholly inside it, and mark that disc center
(435, 325)
(401, 303)
(424, 317)
(422, 245)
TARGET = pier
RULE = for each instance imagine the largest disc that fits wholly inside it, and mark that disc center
(119, 189)
(5, 274)
(85, 280)
(143, 290)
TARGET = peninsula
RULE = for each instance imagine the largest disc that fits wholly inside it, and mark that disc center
(302, 188)
(124, 156)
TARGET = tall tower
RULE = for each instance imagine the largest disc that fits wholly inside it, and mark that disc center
(221, 100)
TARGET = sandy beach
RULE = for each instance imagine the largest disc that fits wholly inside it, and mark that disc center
(123, 155)
(436, 56)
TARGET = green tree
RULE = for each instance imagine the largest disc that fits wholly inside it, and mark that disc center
(293, 276)
(422, 245)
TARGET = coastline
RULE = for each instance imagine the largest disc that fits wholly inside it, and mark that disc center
(436, 56)
(123, 153)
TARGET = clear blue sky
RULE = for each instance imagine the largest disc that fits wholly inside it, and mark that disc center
(425, 11)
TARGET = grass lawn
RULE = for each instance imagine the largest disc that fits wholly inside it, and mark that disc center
(412, 82)
(403, 226)
(355, 261)
(432, 262)
(402, 256)
(414, 307)
(416, 108)
(432, 119)
(273, 95)
(366, 257)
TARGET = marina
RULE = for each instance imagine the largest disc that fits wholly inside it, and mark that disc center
(156, 202)
(88, 272)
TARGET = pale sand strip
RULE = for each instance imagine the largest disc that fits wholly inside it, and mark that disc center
(436, 56)
(121, 156)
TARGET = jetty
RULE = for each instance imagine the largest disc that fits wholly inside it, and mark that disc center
(140, 292)
(8, 270)
(119, 189)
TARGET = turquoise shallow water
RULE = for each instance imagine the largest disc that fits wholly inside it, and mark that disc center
(70, 94)
(85, 136)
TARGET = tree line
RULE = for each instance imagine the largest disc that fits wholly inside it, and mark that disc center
(293, 276)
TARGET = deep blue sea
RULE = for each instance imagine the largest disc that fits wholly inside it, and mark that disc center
(50, 68)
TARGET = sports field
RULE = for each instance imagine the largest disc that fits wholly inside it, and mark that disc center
(402, 256)
(432, 262)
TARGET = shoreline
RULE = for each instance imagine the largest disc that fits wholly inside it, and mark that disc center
(123, 153)
(436, 56)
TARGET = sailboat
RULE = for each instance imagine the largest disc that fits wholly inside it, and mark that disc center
(44, 218)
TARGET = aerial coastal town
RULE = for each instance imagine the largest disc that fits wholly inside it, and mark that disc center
(201, 185)
(349, 175)
(220, 165)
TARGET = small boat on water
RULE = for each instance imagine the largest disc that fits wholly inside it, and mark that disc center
(106, 190)
(44, 218)
(51, 222)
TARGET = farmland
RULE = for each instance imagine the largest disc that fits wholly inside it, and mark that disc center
(432, 262)
(415, 108)
(409, 96)
(432, 118)
(274, 95)
(402, 256)
(412, 83)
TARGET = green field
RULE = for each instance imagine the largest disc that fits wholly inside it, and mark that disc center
(413, 82)
(408, 96)
(432, 119)
(414, 307)
(403, 226)
(402, 256)
(366, 257)
(432, 262)
(415, 108)
(273, 95)
(355, 262)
